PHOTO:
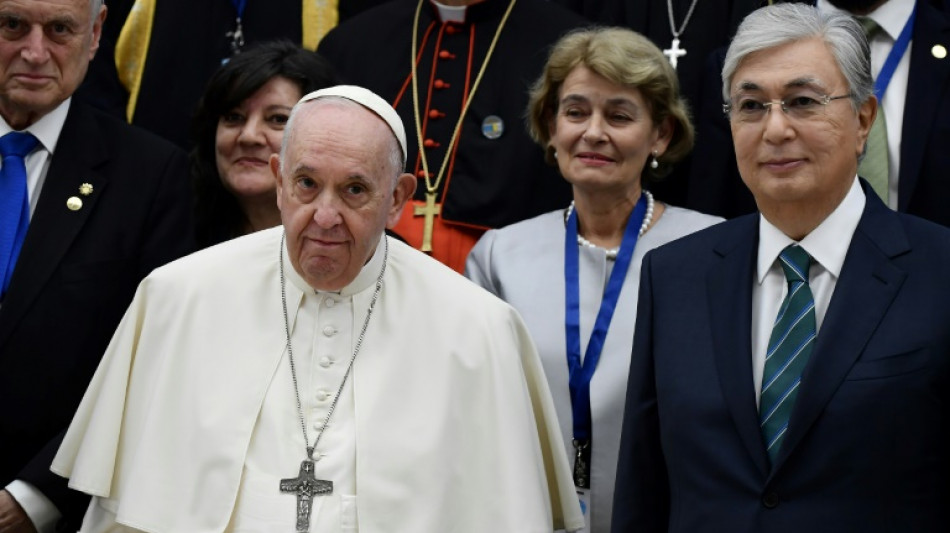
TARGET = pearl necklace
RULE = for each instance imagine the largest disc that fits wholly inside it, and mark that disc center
(612, 252)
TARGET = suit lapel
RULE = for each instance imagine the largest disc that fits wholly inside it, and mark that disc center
(54, 227)
(868, 283)
(926, 82)
(731, 280)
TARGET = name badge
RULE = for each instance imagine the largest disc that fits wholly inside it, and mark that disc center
(582, 464)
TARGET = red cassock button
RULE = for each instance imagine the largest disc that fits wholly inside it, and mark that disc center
(439, 84)
(445, 54)
(421, 174)
(451, 30)
(435, 113)
(429, 143)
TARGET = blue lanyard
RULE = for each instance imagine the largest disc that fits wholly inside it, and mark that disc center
(239, 6)
(894, 57)
(581, 374)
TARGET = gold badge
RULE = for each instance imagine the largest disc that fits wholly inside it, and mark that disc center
(939, 51)
(74, 203)
(85, 189)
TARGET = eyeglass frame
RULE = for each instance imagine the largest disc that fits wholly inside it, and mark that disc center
(824, 101)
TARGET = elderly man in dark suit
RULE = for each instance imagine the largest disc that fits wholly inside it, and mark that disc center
(791, 369)
(916, 99)
(90, 205)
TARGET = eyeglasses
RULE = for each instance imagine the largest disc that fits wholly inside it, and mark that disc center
(804, 106)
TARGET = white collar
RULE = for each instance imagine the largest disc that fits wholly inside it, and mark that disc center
(827, 244)
(47, 129)
(450, 13)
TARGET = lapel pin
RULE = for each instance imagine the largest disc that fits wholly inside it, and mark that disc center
(493, 127)
(85, 189)
(74, 203)
(939, 51)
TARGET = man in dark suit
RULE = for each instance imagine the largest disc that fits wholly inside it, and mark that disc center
(105, 204)
(791, 369)
(921, 141)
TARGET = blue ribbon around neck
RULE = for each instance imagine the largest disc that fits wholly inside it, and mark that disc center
(581, 373)
(239, 6)
(894, 57)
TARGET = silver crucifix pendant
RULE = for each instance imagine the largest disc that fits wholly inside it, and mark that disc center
(674, 52)
(306, 485)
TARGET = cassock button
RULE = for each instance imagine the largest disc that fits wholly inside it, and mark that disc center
(439, 84)
(770, 500)
(330, 302)
(493, 127)
(325, 362)
(939, 51)
(322, 396)
(435, 113)
(429, 143)
(445, 54)
(421, 174)
(451, 29)
(329, 331)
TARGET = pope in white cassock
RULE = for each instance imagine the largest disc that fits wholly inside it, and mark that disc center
(320, 376)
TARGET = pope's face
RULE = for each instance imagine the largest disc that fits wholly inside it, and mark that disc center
(45, 49)
(799, 165)
(336, 190)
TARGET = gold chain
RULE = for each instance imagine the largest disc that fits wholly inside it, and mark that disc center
(431, 188)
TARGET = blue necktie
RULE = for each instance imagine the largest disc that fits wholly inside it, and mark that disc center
(14, 201)
(791, 342)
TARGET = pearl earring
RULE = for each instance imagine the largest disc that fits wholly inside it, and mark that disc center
(654, 164)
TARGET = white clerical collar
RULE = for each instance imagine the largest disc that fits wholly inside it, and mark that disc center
(450, 13)
(47, 128)
(890, 16)
(827, 244)
(364, 280)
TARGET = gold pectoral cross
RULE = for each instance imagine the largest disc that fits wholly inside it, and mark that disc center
(430, 210)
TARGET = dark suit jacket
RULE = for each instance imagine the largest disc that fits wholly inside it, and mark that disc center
(923, 182)
(866, 449)
(75, 276)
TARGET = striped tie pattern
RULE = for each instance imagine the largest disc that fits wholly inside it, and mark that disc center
(875, 165)
(791, 342)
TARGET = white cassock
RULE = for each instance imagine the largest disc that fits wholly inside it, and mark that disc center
(446, 424)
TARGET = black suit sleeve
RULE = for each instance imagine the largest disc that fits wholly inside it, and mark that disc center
(166, 235)
(642, 495)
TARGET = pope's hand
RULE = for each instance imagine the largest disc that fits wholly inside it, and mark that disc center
(12, 517)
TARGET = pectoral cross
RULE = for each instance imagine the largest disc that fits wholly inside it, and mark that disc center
(306, 485)
(674, 52)
(430, 210)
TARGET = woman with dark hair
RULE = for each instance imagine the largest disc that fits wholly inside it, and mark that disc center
(239, 123)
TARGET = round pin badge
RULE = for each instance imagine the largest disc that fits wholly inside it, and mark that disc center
(74, 203)
(493, 127)
(939, 51)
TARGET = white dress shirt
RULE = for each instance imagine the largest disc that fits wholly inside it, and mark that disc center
(827, 245)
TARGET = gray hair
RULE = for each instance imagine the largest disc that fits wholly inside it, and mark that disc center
(397, 162)
(94, 7)
(783, 23)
